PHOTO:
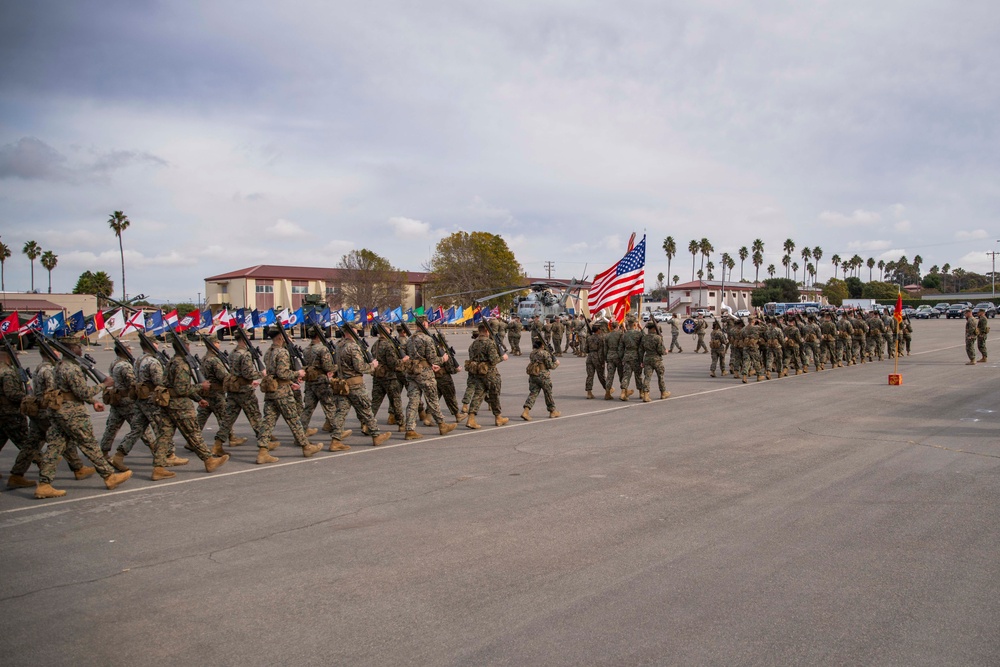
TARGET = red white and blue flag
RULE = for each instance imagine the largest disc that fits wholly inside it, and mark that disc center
(613, 287)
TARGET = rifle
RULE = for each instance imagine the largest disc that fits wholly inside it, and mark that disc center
(382, 331)
(86, 362)
(119, 346)
(298, 359)
(258, 361)
(444, 342)
(349, 330)
(499, 341)
(22, 372)
(192, 360)
(223, 356)
(441, 350)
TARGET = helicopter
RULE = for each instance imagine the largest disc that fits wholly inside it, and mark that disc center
(546, 299)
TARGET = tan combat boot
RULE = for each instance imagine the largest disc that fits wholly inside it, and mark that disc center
(215, 462)
(767, 375)
(472, 423)
(326, 426)
(338, 446)
(461, 417)
(311, 449)
(743, 378)
(159, 472)
(412, 435)
(664, 395)
(380, 438)
(590, 394)
(264, 456)
(311, 432)
(274, 444)
(346, 433)
(84, 472)
(118, 462)
(174, 460)
(364, 430)
(645, 397)
(712, 375)
(19, 482)
(116, 479)
(445, 429)
(760, 378)
(500, 421)
(628, 394)
(624, 395)
(526, 415)
(554, 414)
(798, 371)
(236, 442)
(392, 420)
(217, 449)
(43, 491)
(607, 394)
(464, 410)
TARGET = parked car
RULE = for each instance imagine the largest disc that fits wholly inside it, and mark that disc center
(991, 309)
(743, 313)
(704, 312)
(926, 313)
(955, 311)
(942, 307)
(663, 316)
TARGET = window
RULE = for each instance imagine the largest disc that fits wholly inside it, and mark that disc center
(711, 293)
(300, 289)
(331, 290)
(265, 289)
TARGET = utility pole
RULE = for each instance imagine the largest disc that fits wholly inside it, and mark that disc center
(548, 267)
(993, 274)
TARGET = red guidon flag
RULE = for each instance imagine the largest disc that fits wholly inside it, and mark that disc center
(898, 314)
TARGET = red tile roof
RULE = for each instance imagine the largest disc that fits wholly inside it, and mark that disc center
(31, 305)
(274, 272)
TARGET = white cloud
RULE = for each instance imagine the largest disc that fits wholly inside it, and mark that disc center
(903, 226)
(868, 246)
(892, 255)
(897, 210)
(286, 229)
(858, 217)
(972, 236)
(408, 228)
(978, 262)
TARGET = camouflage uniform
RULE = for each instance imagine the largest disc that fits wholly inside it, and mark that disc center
(241, 396)
(281, 401)
(582, 334)
(675, 332)
(487, 384)
(971, 336)
(614, 351)
(793, 343)
(652, 361)
(982, 329)
(845, 340)
(319, 365)
(536, 331)
(734, 333)
(514, 329)
(446, 385)
(889, 328)
(700, 327)
(752, 363)
(351, 366)
(557, 336)
(42, 380)
(217, 375)
(180, 413)
(388, 380)
(906, 331)
(420, 379)
(875, 338)
(541, 361)
(828, 343)
(859, 341)
(718, 344)
(632, 360)
(13, 425)
(71, 425)
(774, 342)
(149, 374)
(124, 411)
(595, 360)
(811, 338)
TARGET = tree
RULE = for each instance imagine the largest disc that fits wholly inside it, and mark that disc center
(368, 280)
(676, 279)
(807, 254)
(835, 260)
(32, 250)
(465, 262)
(99, 283)
(770, 270)
(49, 261)
(789, 248)
(795, 271)
(758, 258)
(786, 261)
(854, 287)
(731, 264)
(944, 271)
(879, 290)
(743, 253)
(917, 261)
(817, 255)
(693, 248)
(932, 281)
(781, 290)
(871, 265)
(710, 267)
(725, 264)
(706, 249)
(881, 269)
(835, 291)
(4, 256)
(856, 263)
(119, 222)
(670, 250)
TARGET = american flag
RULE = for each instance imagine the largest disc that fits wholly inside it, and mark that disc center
(613, 287)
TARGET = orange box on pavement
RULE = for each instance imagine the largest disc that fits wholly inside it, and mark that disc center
(895, 379)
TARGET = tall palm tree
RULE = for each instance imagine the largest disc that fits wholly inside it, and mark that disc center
(725, 264)
(795, 271)
(806, 254)
(32, 250)
(711, 267)
(706, 249)
(670, 249)
(811, 270)
(881, 269)
(4, 256)
(770, 270)
(786, 261)
(119, 222)
(817, 255)
(871, 265)
(693, 248)
(917, 261)
(49, 261)
(835, 260)
(731, 264)
(757, 248)
(744, 253)
(789, 247)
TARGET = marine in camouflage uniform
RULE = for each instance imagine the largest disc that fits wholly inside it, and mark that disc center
(734, 332)
(149, 378)
(71, 426)
(351, 368)
(420, 382)
(557, 335)
(244, 378)
(484, 376)
(859, 339)
(752, 363)
(845, 340)
(535, 331)
(906, 331)
(614, 351)
(595, 360)
(632, 359)
(774, 341)
(180, 413)
(514, 328)
(875, 331)
(540, 365)
(828, 343)
(278, 397)
(793, 343)
(675, 332)
(889, 334)
(446, 389)
(717, 344)
(811, 335)
(124, 410)
(319, 368)
(582, 333)
(217, 376)
(14, 425)
(388, 379)
(700, 327)
(982, 330)
(652, 361)
(971, 336)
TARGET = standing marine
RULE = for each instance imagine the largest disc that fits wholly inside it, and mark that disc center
(541, 362)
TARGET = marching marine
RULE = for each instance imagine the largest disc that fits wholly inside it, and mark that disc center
(484, 376)
(540, 364)
(652, 361)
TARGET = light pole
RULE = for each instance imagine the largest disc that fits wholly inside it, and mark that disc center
(993, 274)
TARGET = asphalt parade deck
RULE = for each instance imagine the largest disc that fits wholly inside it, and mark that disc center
(826, 518)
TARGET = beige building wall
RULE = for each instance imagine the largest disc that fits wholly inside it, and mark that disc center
(242, 292)
(70, 303)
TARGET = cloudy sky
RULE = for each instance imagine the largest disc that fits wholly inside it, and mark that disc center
(240, 133)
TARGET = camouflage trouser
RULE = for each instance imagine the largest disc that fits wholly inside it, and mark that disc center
(772, 359)
(735, 359)
(297, 394)
(557, 344)
(828, 352)
(890, 345)
(358, 398)
(280, 403)
(630, 366)
(654, 364)
(536, 384)
(843, 350)
(718, 358)
(446, 390)
(673, 342)
(245, 402)
(980, 343)
(318, 393)
(613, 364)
(14, 427)
(390, 387)
(515, 342)
(812, 353)
(38, 428)
(151, 414)
(858, 347)
(424, 383)
(907, 339)
(595, 365)
(970, 348)
(875, 346)
(71, 427)
(701, 343)
(793, 358)
(751, 361)
(488, 387)
(126, 413)
(218, 406)
(180, 415)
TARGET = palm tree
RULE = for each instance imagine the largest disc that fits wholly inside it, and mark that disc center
(807, 254)
(706, 249)
(49, 261)
(4, 256)
(744, 253)
(795, 271)
(711, 267)
(835, 260)
(917, 261)
(817, 255)
(725, 264)
(871, 265)
(693, 248)
(945, 268)
(731, 264)
(32, 250)
(856, 263)
(757, 248)
(670, 249)
(811, 270)
(119, 222)
(786, 261)
(789, 248)
(770, 270)
(881, 269)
